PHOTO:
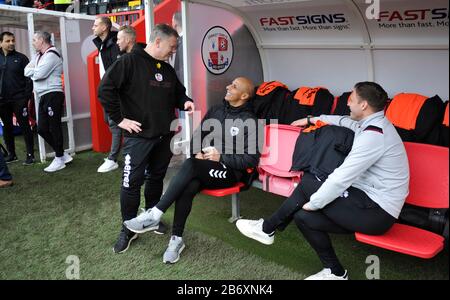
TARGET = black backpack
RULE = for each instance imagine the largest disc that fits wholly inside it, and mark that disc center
(431, 219)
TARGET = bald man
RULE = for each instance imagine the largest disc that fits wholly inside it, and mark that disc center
(228, 140)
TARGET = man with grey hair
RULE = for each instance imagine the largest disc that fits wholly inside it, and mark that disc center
(45, 71)
(140, 92)
(126, 39)
(108, 51)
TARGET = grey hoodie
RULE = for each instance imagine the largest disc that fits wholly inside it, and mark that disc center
(377, 165)
(45, 70)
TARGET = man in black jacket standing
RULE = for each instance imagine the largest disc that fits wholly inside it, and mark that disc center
(106, 43)
(15, 92)
(228, 152)
(140, 92)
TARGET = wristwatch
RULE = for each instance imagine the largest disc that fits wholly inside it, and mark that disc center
(308, 119)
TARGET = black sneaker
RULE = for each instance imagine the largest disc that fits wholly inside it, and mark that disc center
(11, 158)
(124, 240)
(162, 229)
(29, 161)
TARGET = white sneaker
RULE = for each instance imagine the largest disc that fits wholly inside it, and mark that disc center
(326, 274)
(108, 166)
(56, 165)
(253, 229)
(67, 158)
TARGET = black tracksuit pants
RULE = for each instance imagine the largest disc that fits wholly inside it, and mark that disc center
(146, 160)
(194, 175)
(51, 106)
(353, 212)
(20, 109)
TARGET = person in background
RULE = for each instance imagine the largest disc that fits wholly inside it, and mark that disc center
(106, 43)
(46, 71)
(15, 92)
(176, 60)
(5, 176)
(126, 39)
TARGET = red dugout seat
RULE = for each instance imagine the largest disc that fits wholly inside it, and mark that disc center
(428, 187)
(234, 192)
(276, 159)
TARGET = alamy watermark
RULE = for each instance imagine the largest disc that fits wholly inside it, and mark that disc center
(73, 270)
(373, 270)
(373, 10)
(229, 136)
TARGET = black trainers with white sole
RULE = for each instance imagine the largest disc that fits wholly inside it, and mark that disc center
(124, 240)
(162, 229)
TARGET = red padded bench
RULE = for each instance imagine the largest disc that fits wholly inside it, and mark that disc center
(428, 187)
(234, 192)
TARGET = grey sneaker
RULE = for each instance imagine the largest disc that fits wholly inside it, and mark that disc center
(173, 251)
(142, 223)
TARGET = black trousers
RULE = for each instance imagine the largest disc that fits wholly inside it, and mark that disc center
(146, 160)
(20, 109)
(194, 175)
(51, 107)
(353, 212)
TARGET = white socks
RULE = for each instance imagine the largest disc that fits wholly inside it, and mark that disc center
(156, 213)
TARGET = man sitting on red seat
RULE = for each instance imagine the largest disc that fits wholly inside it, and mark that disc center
(228, 151)
(365, 194)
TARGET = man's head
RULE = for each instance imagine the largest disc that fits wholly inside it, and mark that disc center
(367, 98)
(7, 42)
(163, 42)
(41, 40)
(240, 91)
(177, 23)
(126, 38)
(102, 26)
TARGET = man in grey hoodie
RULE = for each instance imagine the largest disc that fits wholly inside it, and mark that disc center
(46, 72)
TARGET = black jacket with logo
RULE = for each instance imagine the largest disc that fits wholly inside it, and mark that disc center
(233, 131)
(109, 49)
(13, 83)
(141, 88)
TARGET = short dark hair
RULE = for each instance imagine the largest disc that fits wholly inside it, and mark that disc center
(106, 21)
(4, 33)
(163, 31)
(45, 36)
(373, 93)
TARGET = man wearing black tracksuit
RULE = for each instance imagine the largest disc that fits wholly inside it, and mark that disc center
(15, 92)
(225, 147)
(140, 92)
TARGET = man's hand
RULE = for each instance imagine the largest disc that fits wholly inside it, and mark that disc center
(189, 107)
(212, 154)
(300, 123)
(130, 126)
(199, 156)
(307, 207)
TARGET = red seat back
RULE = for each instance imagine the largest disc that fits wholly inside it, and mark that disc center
(429, 172)
(279, 145)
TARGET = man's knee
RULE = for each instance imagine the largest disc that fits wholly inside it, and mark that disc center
(302, 218)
